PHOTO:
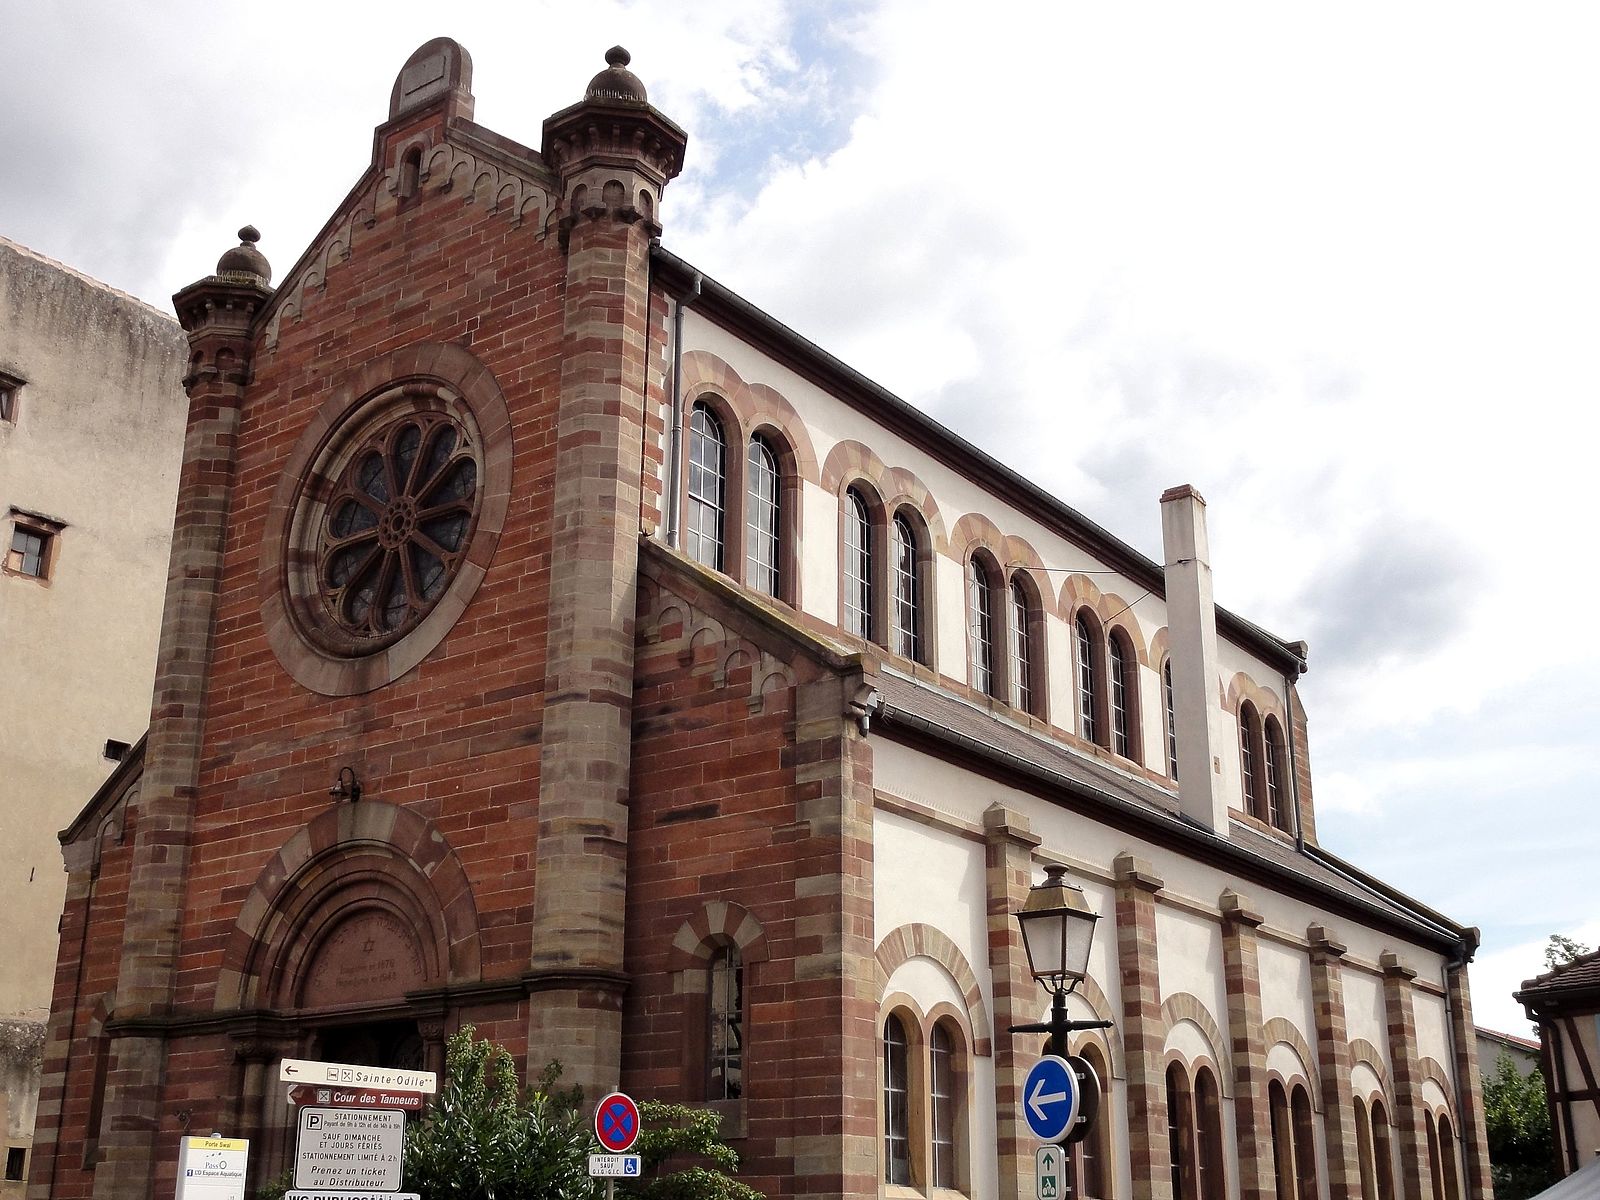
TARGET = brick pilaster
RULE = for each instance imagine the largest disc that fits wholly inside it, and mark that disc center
(1474, 1136)
(1333, 1064)
(1143, 1030)
(835, 1138)
(1252, 1120)
(1411, 1142)
(1008, 875)
(218, 313)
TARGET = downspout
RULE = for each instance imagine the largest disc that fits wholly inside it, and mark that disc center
(675, 438)
(1294, 771)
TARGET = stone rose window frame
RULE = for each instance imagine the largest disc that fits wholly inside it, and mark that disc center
(437, 385)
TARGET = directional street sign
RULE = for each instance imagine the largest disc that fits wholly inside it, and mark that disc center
(300, 1070)
(343, 1097)
(1050, 1098)
(616, 1122)
(1049, 1167)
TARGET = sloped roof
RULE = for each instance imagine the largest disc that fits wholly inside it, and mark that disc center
(1061, 773)
(1580, 977)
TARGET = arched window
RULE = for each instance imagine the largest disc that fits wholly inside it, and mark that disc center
(1364, 1160)
(725, 1035)
(943, 1104)
(1447, 1154)
(1305, 1145)
(708, 474)
(905, 613)
(1382, 1151)
(1277, 808)
(1211, 1176)
(1121, 666)
(762, 515)
(1088, 693)
(896, 1102)
(1282, 1140)
(1249, 762)
(1020, 630)
(1172, 719)
(1435, 1169)
(857, 566)
(1180, 1132)
(980, 626)
(1092, 1164)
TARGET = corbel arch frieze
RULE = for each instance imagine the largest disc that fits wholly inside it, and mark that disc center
(917, 940)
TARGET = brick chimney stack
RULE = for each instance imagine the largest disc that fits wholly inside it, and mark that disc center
(1207, 763)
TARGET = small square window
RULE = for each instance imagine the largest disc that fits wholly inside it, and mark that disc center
(31, 550)
(10, 390)
(16, 1162)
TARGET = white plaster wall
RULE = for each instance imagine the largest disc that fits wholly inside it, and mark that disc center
(1282, 1058)
(906, 855)
(951, 613)
(1364, 1015)
(1286, 987)
(1364, 1082)
(819, 572)
(97, 445)
(1433, 1034)
(1190, 960)
(1189, 1040)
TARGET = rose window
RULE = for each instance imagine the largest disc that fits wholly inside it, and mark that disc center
(398, 522)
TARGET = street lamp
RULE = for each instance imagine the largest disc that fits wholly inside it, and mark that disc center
(1057, 930)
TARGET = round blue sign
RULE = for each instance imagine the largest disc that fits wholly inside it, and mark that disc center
(1050, 1097)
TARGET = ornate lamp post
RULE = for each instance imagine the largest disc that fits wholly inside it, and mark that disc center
(1057, 930)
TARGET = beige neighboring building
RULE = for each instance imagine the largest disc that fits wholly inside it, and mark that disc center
(91, 437)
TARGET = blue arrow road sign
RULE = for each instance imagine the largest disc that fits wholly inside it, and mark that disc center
(1050, 1098)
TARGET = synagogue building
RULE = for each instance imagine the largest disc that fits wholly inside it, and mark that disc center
(556, 642)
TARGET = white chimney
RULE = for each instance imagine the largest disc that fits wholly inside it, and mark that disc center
(1207, 749)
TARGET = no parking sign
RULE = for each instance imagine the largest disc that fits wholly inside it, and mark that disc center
(616, 1122)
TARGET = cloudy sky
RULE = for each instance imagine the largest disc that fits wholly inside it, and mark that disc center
(1337, 266)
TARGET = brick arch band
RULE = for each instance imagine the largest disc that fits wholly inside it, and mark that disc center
(1279, 1029)
(1110, 1039)
(717, 923)
(754, 406)
(368, 855)
(1363, 1051)
(1185, 1006)
(917, 940)
(1432, 1068)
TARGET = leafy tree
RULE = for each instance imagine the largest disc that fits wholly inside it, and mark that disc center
(489, 1139)
(1560, 950)
(1521, 1154)
(670, 1130)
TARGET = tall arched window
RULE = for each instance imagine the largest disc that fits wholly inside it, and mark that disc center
(1447, 1154)
(1382, 1151)
(943, 1105)
(1364, 1160)
(1435, 1169)
(1093, 1165)
(1088, 698)
(896, 1102)
(1277, 793)
(1282, 1140)
(857, 566)
(1172, 719)
(1305, 1145)
(905, 612)
(1211, 1176)
(1249, 764)
(1123, 685)
(708, 474)
(980, 626)
(762, 515)
(1019, 629)
(725, 1037)
(1180, 1132)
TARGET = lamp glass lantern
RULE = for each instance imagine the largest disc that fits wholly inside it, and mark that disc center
(1057, 931)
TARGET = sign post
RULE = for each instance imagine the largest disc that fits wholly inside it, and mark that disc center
(616, 1125)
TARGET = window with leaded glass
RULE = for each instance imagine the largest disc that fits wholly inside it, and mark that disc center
(708, 475)
(857, 566)
(942, 1100)
(906, 611)
(1117, 677)
(980, 626)
(1249, 768)
(725, 1037)
(1172, 719)
(896, 1103)
(1088, 701)
(1021, 637)
(1277, 811)
(761, 517)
